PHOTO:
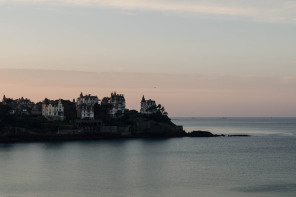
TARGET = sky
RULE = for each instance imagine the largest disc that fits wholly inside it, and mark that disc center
(204, 58)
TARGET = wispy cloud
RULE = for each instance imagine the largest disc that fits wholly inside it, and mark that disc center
(276, 11)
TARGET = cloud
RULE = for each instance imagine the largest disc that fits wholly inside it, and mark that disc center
(273, 11)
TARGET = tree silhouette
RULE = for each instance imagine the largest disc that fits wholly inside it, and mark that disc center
(160, 109)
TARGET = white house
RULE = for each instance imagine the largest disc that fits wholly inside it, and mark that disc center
(147, 106)
(53, 109)
(85, 106)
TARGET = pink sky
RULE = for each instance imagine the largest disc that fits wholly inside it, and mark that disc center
(195, 57)
(182, 95)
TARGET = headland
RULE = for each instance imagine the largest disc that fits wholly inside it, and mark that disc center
(86, 118)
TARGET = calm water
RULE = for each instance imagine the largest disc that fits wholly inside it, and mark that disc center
(261, 165)
(252, 126)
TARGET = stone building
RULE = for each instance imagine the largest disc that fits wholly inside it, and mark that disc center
(117, 102)
(24, 102)
(147, 106)
(53, 110)
(85, 106)
(21, 106)
(7, 101)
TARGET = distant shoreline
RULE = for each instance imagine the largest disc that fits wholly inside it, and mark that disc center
(97, 137)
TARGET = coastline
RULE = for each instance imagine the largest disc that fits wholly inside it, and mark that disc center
(100, 136)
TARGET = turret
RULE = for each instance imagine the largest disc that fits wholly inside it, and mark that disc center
(4, 100)
(143, 99)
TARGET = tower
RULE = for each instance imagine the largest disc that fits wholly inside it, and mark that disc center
(4, 100)
(143, 104)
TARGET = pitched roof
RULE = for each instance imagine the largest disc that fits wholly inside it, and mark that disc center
(143, 99)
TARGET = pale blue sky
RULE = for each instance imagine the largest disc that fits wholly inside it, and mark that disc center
(233, 40)
(150, 36)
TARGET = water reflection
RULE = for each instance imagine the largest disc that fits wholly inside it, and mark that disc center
(150, 167)
(271, 188)
(6, 146)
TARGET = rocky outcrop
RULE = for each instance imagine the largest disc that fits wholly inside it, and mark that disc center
(157, 129)
(200, 134)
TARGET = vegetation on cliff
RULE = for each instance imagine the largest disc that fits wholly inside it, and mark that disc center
(131, 123)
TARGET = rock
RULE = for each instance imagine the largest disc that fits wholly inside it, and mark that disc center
(200, 134)
(239, 135)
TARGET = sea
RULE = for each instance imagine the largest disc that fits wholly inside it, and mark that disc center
(262, 165)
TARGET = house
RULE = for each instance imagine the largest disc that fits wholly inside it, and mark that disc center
(7, 101)
(117, 102)
(147, 106)
(19, 106)
(37, 109)
(85, 106)
(53, 110)
(22, 101)
(24, 106)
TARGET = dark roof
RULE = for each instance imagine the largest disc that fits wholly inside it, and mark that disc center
(45, 101)
(50, 102)
(150, 101)
(143, 99)
(106, 100)
(88, 96)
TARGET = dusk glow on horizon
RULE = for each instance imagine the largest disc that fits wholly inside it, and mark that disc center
(196, 58)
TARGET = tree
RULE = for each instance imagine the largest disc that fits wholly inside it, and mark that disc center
(69, 110)
(161, 110)
(102, 111)
(4, 111)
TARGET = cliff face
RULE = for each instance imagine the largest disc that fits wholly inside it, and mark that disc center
(136, 124)
(140, 128)
(151, 128)
(131, 125)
